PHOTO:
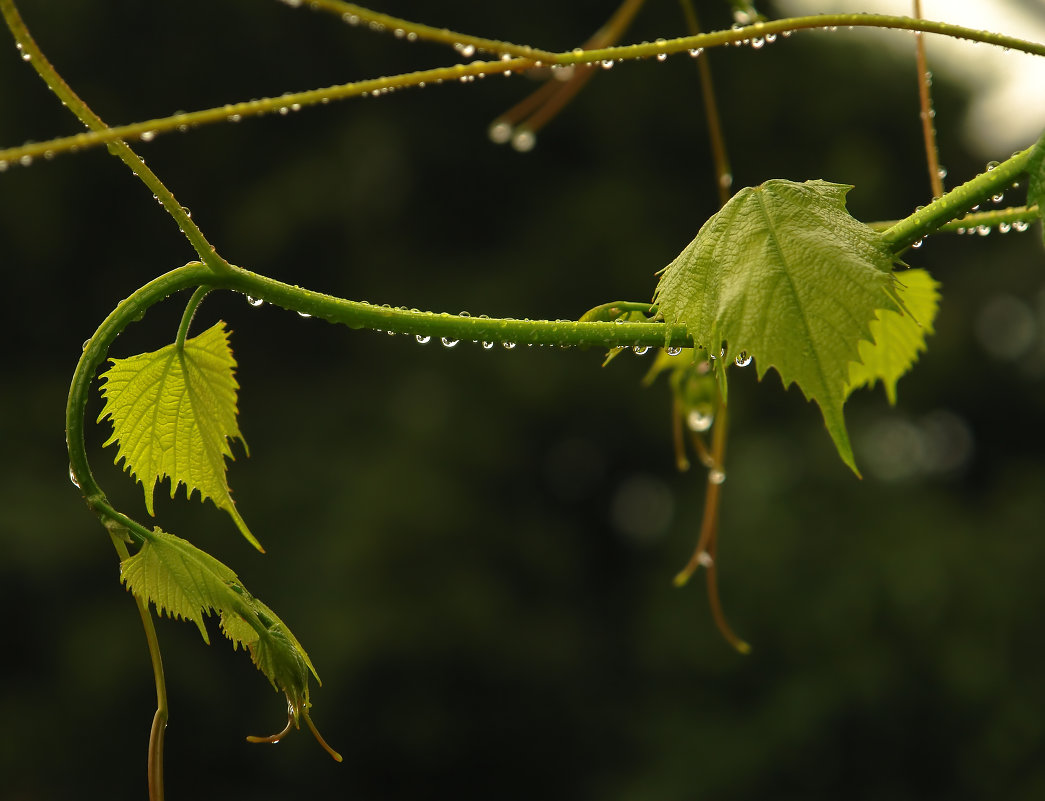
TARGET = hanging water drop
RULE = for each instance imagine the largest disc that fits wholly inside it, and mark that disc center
(255, 302)
(983, 230)
(992, 165)
(72, 477)
(697, 420)
(742, 360)
(716, 476)
(640, 350)
(998, 198)
(423, 339)
(500, 132)
(674, 351)
(449, 343)
(306, 315)
(508, 345)
(1004, 227)
(705, 559)
(523, 140)
(487, 345)
(757, 42)
(918, 244)
(148, 136)
(695, 51)
(607, 63)
(86, 342)
(1020, 225)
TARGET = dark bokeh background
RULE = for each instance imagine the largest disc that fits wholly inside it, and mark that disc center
(477, 547)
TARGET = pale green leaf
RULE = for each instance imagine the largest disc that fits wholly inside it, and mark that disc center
(785, 273)
(899, 336)
(173, 413)
(182, 581)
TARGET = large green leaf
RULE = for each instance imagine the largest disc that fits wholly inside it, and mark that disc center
(173, 414)
(784, 273)
(899, 336)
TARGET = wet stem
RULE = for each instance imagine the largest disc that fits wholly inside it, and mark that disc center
(705, 554)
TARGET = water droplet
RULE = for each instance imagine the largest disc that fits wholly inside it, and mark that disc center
(742, 360)
(674, 351)
(72, 477)
(350, 19)
(983, 230)
(26, 160)
(3, 165)
(466, 50)
(716, 476)
(255, 302)
(1020, 225)
(148, 136)
(523, 140)
(705, 560)
(449, 343)
(998, 198)
(304, 314)
(640, 350)
(992, 165)
(757, 43)
(662, 56)
(1004, 227)
(26, 56)
(942, 172)
(918, 244)
(607, 63)
(508, 345)
(695, 51)
(86, 342)
(697, 420)
(770, 38)
(423, 339)
(500, 132)
(487, 345)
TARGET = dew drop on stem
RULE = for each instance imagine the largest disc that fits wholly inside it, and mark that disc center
(716, 476)
(500, 132)
(742, 360)
(523, 140)
(423, 339)
(449, 343)
(699, 421)
(508, 345)
(1020, 226)
(255, 302)
(640, 350)
(72, 477)
(705, 559)
(674, 351)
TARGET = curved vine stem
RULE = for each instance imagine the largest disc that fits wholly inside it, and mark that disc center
(32, 53)
(149, 129)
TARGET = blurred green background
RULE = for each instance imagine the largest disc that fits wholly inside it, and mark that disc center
(477, 547)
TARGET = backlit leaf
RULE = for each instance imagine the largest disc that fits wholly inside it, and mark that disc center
(182, 581)
(899, 336)
(784, 273)
(173, 413)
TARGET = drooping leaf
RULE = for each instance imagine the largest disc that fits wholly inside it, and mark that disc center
(899, 336)
(1036, 184)
(182, 581)
(784, 273)
(173, 413)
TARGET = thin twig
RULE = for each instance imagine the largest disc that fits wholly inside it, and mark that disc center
(932, 154)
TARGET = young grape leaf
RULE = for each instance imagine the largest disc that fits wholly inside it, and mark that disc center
(898, 336)
(182, 581)
(785, 273)
(1036, 185)
(173, 414)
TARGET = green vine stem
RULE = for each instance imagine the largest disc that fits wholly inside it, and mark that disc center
(32, 53)
(956, 202)
(1016, 217)
(149, 129)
